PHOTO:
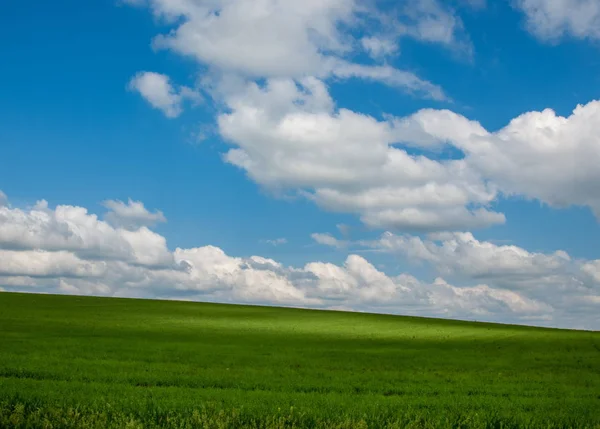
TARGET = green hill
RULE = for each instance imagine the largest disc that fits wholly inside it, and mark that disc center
(69, 361)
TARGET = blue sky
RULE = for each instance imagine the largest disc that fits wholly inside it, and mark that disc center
(249, 122)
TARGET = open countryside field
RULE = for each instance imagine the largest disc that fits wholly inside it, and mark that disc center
(69, 361)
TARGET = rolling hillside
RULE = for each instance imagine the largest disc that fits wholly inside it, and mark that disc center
(68, 361)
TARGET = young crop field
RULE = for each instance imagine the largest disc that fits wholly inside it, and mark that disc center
(69, 361)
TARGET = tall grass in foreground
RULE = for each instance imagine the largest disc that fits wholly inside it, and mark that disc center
(21, 416)
(77, 362)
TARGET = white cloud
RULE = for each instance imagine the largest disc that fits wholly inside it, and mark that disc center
(290, 136)
(461, 253)
(550, 279)
(551, 20)
(360, 282)
(483, 300)
(390, 76)
(131, 215)
(430, 21)
(82, 287)
(292, 37)
(378, 47)
(40, 263)
(61, 253)
(273, 39)
(73, 229)
(157, 89)
(238, 279)
(328, 240)
(3, 199)
(592, 269)
(538, 155)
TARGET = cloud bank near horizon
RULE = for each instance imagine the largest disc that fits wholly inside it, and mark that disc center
(67, 249)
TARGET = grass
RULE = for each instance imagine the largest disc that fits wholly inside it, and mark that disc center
(70, 361)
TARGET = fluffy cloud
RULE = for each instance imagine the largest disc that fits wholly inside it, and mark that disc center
(592, 269)
(68, 250)
(157, 89)
(431, 21)
(75, 230)
(40, 263)
(295, 39)
(461, 253)
(551, 20)
(248, 280)
(483, 300)
(131, 215)
(292, 37)
(551, 280)
(290, 136)
(360, 284)
(539, 155)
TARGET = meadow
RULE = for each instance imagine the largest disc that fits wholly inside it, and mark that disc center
(68, 361)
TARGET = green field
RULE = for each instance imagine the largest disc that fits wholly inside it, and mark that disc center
(70, 361)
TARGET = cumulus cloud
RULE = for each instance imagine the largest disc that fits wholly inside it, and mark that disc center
(73, 229)
(157, 90)
(539, 155)
(483, 300)
(592, 269)
(68, 250)
(41, 263)
(131, 215)
(551, 279)
(295, 39)
(359, 282)
(237, 278)
(290, 135)
(292, 37)
(462, 253)
(551, 20)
